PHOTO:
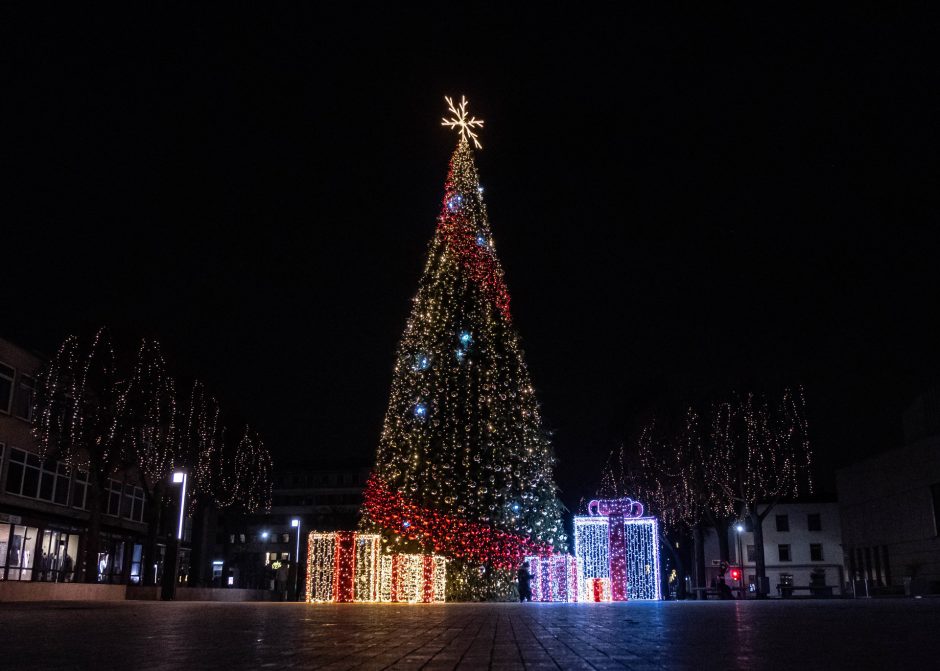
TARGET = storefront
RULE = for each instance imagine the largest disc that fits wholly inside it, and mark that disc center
(37, 550)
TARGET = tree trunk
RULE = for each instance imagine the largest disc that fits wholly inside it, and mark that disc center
(93, 541)
(680, 571)
(199, 548)
(721, 525)
(760, 567)
(698, 548)
(154, 516)
(724, 547)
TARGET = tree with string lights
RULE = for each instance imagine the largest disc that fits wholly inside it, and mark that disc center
(463, 466)
(749, 456)
(151, 444)
(760, 454)
(102, 420)
(81, 417)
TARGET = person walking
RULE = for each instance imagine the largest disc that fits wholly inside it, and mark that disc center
(524, 577)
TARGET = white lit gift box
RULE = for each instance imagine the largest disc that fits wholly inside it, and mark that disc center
(346, 566)
(617, 552)
(554, 578)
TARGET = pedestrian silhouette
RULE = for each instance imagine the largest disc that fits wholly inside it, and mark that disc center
(524, 577)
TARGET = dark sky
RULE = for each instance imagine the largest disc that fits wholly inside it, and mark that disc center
(685, 205)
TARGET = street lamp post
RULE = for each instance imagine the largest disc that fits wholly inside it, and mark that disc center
(739, 528)
(171, 563)
(295, 523)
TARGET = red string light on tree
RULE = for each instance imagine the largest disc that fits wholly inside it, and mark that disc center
(446, 533)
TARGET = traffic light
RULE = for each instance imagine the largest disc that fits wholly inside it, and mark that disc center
(735, 574)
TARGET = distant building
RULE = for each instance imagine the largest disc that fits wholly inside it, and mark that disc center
(890, 508)
(323, 497)
(43, 510)
(802, 548)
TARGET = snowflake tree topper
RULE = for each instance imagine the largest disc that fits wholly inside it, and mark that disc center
(461, 120)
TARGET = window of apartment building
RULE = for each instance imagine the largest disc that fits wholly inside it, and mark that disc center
(751, 553)
(54, 483)
(113, 496)
(815, 552)
(23, 403)
(935, 494)
(23, 474)
(814, 522)
(7, 374)
(783, 522)
(783, 552)
(79, 489)
(132, 507)
(786, 579)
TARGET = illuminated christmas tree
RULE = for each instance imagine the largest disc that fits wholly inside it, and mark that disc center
(463, 466)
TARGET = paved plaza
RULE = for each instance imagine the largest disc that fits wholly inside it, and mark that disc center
(830, 635)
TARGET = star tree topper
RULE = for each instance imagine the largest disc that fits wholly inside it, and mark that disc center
(462, 121)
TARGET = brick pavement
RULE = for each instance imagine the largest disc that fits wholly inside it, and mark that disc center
(828, 634)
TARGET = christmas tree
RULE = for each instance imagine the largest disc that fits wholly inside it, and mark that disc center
(463, 466)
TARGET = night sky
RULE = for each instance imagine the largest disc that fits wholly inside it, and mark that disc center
(684, 206)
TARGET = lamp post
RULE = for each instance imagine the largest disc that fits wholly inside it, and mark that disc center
(171, 563)
(739, 528)
(295, 523)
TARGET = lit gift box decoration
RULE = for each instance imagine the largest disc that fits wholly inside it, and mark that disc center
(617, 551)
(554, 578)
(412, 578)
(346, 566)
(342, 566)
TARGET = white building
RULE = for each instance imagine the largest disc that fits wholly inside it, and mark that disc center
(802, 548)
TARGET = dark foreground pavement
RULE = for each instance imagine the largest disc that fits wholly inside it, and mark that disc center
(794, 635)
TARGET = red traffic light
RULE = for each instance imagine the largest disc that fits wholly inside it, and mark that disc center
(735, 574)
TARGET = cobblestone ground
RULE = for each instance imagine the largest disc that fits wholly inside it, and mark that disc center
(830, 635)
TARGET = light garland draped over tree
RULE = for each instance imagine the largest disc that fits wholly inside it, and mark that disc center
(464, 467)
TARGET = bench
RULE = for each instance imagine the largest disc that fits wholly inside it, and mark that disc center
(703, 593)
(786, 591)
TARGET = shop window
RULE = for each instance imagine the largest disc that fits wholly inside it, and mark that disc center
(783, 522)
(23, 403)
(783, 552)
(58, 550)
(786, 579)
(815, 552)
(135, 563)
(7, 374)
(814, 522)
(21, 548)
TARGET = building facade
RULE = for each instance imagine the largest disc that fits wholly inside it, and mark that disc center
(261, 551)
(890, 508)
(802, 549)
(43, 504)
